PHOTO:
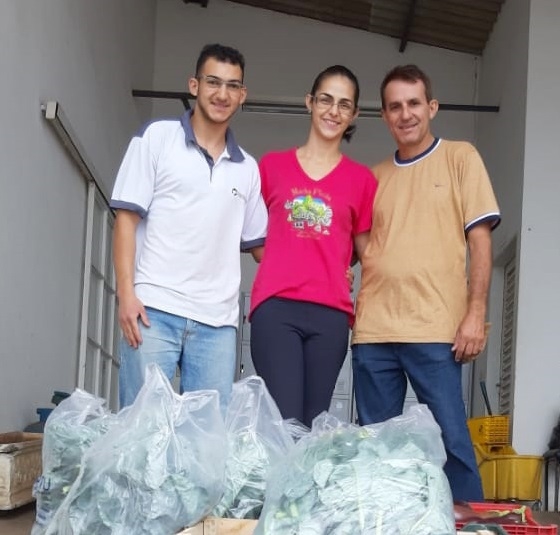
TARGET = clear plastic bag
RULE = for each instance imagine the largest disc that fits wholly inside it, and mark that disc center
(158, 469)
(296, 429)
(257, 437)
(386, 478)
(72, 427)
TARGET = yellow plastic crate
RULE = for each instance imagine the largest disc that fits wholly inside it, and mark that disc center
(483, 451)
(508, 476)
(489, 429)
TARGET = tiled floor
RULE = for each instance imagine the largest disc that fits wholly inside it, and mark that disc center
(19, 521)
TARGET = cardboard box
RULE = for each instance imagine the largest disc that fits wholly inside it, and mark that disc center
(221, 526)
(20, 466)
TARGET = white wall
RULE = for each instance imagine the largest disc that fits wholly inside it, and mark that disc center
(538, 358)
(501, 141)
(88, 55)
(283, 55)
(521, 72)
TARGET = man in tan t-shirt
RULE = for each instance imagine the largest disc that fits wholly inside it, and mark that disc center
(416, 316)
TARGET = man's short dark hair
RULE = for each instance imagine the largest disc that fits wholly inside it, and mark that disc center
(225, 54)
(406, 73)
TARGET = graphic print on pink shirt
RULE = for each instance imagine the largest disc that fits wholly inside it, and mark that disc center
(309, 214)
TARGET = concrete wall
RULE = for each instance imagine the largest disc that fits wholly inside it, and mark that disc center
(521, 72)
(87, 55)
(283, 55)
(537, 388)
(501, 141)
(90, 55)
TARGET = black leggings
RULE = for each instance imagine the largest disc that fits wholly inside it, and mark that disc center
(298, 349)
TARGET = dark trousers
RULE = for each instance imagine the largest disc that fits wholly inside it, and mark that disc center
(298, 349)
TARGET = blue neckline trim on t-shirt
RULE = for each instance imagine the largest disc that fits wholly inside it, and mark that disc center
(417, 158)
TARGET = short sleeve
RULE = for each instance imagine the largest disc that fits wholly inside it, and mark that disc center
(135, 181)
(256, 215)
(477, 196)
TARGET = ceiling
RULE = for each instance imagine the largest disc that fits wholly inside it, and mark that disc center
(460, 25)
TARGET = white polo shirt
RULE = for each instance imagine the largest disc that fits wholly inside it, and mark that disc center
(196, 215)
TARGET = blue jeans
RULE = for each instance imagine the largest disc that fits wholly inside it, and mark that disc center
(205, 355)
(380, 373)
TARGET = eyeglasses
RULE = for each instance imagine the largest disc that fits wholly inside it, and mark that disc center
(213, 82)
(325, 101)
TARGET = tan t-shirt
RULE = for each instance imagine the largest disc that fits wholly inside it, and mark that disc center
(414, 284)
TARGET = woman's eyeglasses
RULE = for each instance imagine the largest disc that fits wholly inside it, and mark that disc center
(325, 101)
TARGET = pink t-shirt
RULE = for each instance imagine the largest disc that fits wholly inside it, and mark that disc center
(311, 227)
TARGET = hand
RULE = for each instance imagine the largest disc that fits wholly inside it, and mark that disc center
(130, 309)
(470, 338)
(350, 277)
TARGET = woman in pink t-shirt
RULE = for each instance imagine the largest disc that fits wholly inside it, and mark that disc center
(320, 211)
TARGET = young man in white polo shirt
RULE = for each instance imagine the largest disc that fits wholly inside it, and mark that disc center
(187, 199)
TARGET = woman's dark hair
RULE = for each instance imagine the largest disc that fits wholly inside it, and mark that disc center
(339, 70)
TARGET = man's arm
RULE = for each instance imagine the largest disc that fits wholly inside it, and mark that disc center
(471, 336)
(257, 253)
(124, 251)
(360, 243)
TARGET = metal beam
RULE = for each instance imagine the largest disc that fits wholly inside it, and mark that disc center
(407, 25)
(278, 106)
(184, 97)
(201, 3)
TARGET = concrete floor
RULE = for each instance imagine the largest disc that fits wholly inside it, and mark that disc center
(19, 521)
(547, 518)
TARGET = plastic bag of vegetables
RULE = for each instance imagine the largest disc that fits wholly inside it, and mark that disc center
(159, 468)
(385, 478)
(72, 427)
(257, 438)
